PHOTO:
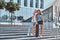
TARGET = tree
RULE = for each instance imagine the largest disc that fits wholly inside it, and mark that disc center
(12, 7)
(2, 4)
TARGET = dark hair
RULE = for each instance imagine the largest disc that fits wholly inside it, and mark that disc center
(39, 11)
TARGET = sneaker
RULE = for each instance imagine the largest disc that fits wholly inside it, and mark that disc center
(32, 34)
(40, 36)
(28, 34)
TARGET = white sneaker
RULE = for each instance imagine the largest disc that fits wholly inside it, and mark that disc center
(40, 36)
(32, 34)
(28, 34)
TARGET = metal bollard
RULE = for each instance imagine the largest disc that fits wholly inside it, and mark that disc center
(37, 30)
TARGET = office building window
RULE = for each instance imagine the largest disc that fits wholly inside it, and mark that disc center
(11, 0)
(42, 3)
(31, 3)
(3, 0)
(6, 0)
(25, 2)
(37, 4)
(19, 2)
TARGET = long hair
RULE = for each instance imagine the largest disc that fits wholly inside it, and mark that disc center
(35, 11)
(39, 11)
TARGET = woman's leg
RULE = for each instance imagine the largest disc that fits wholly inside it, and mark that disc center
(41, 29)
(33, 28)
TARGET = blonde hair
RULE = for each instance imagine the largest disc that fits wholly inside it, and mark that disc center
(35, 11)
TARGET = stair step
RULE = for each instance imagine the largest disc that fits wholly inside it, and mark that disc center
(46, 34)
(10, 37)
(15, 32)
(12, 34)
(24, 37)
(7, 29)
(35, 38)
(46, 30)
(54, 38)
(58, 35)
(19, 34)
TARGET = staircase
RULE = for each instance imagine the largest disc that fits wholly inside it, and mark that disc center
(19, 32)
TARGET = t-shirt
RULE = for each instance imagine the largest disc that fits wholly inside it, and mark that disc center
(39, 17)
(35, 17)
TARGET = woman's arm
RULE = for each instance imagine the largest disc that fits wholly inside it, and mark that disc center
(33, 18)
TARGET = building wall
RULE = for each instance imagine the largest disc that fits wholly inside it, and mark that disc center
(48, 3)
(27, 11)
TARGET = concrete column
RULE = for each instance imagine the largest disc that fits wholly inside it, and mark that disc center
(28, 3)
(34, 3)
(39, 3)
(22, 3)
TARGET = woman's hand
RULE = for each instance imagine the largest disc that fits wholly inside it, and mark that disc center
(32, 18)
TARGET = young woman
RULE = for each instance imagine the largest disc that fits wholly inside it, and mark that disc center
(40, 21)
(34, 21)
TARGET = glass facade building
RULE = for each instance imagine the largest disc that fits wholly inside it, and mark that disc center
(31, 3)
(26, 10)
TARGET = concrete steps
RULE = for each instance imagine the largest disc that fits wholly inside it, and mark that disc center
(20, 33)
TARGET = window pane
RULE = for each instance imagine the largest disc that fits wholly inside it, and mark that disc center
(42, 3)
(7, 1)
(19, 1)
(37, 4)
(31, 3)
(25, 2)
(11, 0)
